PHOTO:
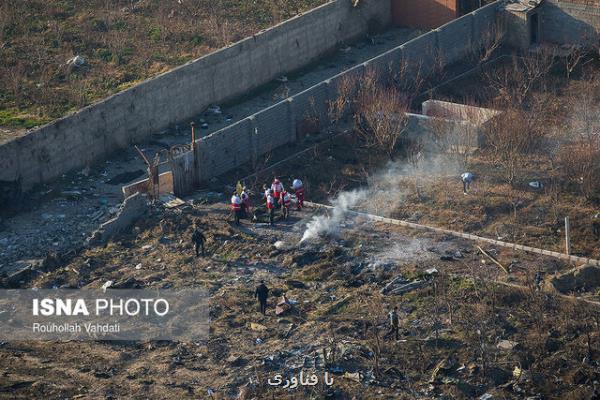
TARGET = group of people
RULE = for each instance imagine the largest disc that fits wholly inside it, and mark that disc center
(275, 197)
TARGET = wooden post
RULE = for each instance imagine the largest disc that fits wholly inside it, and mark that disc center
(195, 172)
(567, 236)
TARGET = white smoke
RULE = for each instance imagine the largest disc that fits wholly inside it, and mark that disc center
(385, 193)
(330, 224)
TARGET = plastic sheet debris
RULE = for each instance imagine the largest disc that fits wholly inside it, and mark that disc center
(536, 184)
(106, 286)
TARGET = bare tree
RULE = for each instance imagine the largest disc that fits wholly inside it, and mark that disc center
(515, 81)
(381, 114)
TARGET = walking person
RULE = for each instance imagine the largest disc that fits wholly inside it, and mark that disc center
(198, 239)
(262, 293)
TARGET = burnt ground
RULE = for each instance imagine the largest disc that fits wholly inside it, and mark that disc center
(334, 284)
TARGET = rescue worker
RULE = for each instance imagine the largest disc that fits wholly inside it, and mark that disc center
(236, 207)
(466, 178)
(198, 239)
(394, 322)
(270, 207)
(246, 203)
(285, 201)
(266, 191)
(277, 189)
(262, 293)
(596, 225)
(299, 191)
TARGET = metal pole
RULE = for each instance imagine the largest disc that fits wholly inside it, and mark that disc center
(567, 236)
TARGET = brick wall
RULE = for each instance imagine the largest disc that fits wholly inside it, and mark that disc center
(423, 13)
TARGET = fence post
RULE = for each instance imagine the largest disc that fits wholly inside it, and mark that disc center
(196, 173)
(567, 236)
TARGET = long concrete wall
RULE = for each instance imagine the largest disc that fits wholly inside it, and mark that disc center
(95, 132)
(283, 123)
(570, 21)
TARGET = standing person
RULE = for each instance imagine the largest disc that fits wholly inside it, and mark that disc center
(246, 202)
(262, 293)
(236, 207)
(286, 201)
(466, 178)
(271, 207)
(394, 322)
(277, 189)
(596, 225)
(299, 191)
(198, 239)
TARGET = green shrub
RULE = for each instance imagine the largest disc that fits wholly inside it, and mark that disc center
(155, 34)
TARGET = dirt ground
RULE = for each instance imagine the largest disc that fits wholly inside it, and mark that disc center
(334, 284)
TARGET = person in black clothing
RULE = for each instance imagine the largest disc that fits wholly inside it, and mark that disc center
(596, 225)
(262, 293)
(198, 239)
(394, 322)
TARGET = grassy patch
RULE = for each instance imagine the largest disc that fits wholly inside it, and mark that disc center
(14, 119)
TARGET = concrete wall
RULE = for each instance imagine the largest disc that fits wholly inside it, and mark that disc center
(95, 132)
(224, 150)
(570, 21)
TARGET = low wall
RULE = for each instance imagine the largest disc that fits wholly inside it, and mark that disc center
(282, 123)
(96, 131)
(570, 21)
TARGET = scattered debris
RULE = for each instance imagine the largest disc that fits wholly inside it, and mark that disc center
(283, 306)
(353, 376)
(75, 62)
(506, 345)
(257, 327)
(170, 201)
(106, 285)
(536, 184)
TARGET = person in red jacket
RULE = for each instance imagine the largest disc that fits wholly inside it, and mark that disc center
(299, 190)
(236, 207)
(277, 189)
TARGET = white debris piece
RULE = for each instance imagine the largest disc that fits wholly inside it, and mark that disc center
(76, 62)
(106, 286)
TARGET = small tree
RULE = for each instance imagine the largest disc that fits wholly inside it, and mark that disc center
(381, 114)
